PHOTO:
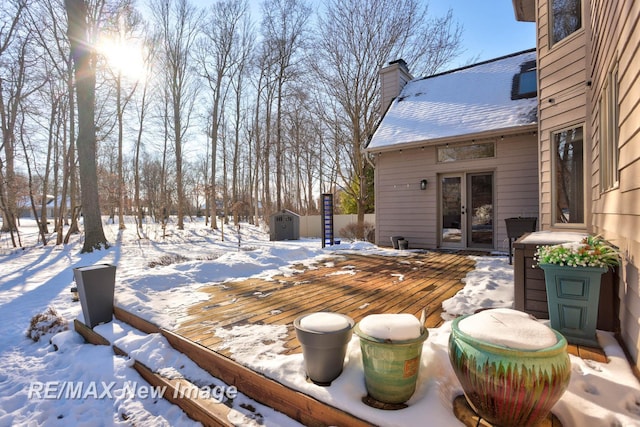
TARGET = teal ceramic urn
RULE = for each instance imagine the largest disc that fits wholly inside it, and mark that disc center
(573, 294)
(508, 386)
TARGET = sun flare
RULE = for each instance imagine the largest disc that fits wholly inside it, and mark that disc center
(124, 57)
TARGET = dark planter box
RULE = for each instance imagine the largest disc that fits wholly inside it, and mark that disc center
(531, 294)
(96, 285)
(518, 226)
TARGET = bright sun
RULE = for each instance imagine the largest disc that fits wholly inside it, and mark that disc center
(124, 57)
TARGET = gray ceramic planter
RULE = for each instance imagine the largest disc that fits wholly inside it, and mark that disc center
(323, 352)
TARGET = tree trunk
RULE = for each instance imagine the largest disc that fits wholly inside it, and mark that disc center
(177, 126)
(120, 113)
(85, 90)
(70, 158)
(214, 149)
(8, 115)
(136, 168)
(279, 147)
(66, 169)
(47, 168)
(41, 230)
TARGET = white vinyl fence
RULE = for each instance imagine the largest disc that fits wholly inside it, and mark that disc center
(311, 225)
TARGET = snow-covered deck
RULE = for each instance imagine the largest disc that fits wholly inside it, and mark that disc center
(352, 283)
(355, 285)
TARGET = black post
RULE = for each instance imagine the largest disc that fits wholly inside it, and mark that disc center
(327, 219)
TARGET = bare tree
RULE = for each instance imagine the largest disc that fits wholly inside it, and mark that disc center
(179, 23)
(126, 22)
(26, 148)
(54, 95)
(142, 107)
(262, 129)
(303, 134)
(85, 77)
(356, 38)
(217, 55)
(284, 25)
(276, 142)
(244, 50)
(53, 43)
(11, 86)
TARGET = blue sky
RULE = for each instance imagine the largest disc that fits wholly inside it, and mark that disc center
(490, 28)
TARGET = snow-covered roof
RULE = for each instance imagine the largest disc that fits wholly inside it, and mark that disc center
(466, 101)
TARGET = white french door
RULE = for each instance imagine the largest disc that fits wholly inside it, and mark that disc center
(466, 210)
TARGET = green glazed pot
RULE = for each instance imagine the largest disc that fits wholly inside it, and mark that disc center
(505, 386)
(390, 367)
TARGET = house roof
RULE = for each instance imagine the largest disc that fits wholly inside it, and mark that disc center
(525, 10)
(472, 100)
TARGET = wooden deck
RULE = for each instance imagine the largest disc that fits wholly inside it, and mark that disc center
(356, 285)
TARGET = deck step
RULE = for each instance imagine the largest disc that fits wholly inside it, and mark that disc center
(296, 405)
(179, 391)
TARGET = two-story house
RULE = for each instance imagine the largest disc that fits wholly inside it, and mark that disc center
(589, 130)
(456, 153)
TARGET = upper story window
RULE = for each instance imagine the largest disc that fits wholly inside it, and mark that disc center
(566, 18)
(525, 83)
(568, 176)
(609, 117)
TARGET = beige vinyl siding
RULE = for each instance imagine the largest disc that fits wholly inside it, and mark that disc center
(389, 91)
(562, 93)
(516, 180)
(393, 85)
(393, 78)
(573, 73)
(402, 209)
(616, 213)
(542, 23)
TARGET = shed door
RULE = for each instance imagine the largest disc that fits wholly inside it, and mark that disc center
(284, 223)
(466, 210)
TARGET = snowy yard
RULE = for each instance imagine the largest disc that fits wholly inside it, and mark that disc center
(60, 380)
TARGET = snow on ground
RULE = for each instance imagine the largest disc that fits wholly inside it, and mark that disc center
(59, 380)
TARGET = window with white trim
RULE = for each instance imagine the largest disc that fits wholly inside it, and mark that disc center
(609, 114)
(566, 18)
(475, 150)
(568, 176)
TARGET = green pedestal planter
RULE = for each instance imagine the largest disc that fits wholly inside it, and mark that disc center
(573, 294)
(390, 368)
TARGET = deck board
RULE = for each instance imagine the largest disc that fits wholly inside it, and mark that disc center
(353, 284)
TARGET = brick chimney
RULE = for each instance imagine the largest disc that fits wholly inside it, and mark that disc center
(393, 77)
